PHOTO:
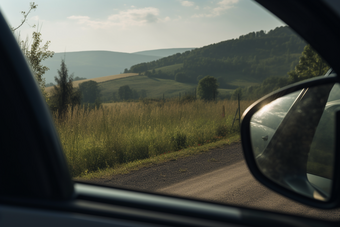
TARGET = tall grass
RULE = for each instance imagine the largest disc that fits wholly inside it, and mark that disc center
(124, 132)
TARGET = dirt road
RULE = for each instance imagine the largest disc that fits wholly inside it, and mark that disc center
(234, 184)
(219, 175)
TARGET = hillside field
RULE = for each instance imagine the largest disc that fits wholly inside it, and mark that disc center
(169, 69)
(155, 87)
(99, 79)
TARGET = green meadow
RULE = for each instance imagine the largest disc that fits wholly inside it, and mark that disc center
(121, 133)
(155, 87)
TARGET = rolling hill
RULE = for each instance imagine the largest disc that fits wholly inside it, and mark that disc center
(94, 64)
(243, 62)
(163, 52)
(252, 57)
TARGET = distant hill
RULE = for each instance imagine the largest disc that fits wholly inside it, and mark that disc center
(163, 52)
(252, 57)
(93, 64)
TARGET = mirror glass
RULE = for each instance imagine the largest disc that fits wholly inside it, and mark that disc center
(293, 140)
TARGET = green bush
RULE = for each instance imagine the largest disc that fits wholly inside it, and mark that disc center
(180, 141)
(222, 130)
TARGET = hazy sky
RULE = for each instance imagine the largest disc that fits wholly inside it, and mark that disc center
(136, 25)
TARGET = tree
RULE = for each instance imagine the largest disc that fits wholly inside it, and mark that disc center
(79, 78)
(90, 92)
(64, 93)
(207, 88)
(35, 53)
(310, 65)
(125, 92)
(237, 94)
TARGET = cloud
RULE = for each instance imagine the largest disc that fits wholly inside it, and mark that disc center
(219, 8)
(224, 5)
(127, 18)
(187, 3)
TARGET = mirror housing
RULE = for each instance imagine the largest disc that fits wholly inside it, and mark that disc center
(269, 163)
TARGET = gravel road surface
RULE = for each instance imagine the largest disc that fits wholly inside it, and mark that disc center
(219, 175)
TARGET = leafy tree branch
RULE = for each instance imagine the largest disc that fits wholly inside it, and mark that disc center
(33, 6)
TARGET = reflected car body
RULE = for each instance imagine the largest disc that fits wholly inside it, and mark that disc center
(267, 120)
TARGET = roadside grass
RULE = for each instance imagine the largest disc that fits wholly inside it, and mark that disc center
(104, 138)
(162, 158)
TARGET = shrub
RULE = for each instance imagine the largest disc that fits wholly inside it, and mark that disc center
(222, 130)
(180, 141)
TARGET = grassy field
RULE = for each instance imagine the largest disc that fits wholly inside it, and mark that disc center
(99, 79)
(126, 132)
(155, 87)
(243, 83)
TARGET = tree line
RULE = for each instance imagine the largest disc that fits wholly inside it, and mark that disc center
(256, 55)
(310, 65)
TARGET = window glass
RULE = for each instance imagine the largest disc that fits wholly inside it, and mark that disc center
(148, 95)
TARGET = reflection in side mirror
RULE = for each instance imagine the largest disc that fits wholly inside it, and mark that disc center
(293, 140)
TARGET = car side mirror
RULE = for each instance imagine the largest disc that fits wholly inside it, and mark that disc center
(289, 141)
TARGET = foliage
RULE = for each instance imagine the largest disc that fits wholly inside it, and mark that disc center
(254, 56)
(35, 54)
(257, 91)
(127, 131)
(125, 92)
(222, 130)
(181, 77)
(142, 67)
(237, 94)
(90, 92)
(25, 15)
(179, 140)
(64, 95)
(79, 78)
(207, 88)
(310, 65)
